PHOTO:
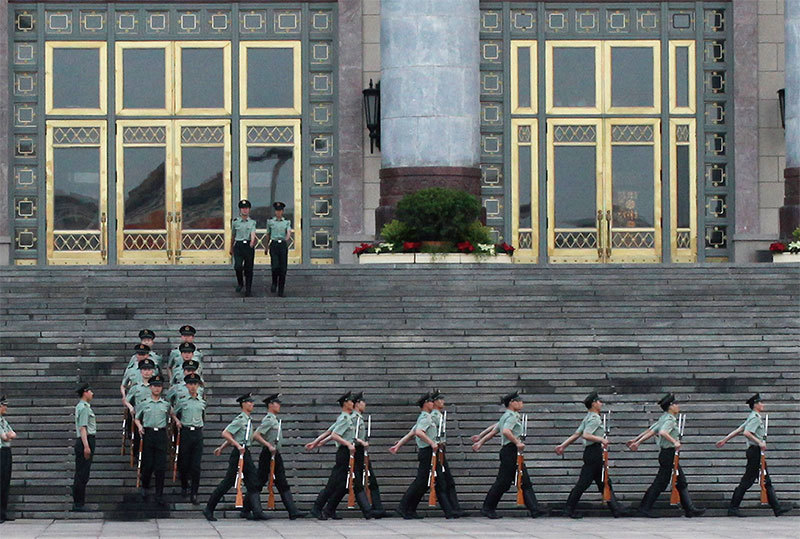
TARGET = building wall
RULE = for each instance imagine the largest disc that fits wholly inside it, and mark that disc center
(372, 70)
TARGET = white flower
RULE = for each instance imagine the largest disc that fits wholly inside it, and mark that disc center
(794, 247)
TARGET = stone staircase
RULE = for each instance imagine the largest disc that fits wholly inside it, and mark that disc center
(713, 334)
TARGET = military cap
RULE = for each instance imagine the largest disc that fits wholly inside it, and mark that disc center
(278, 205)
(423, 399)
(591, 398)
(147, 334)
(187, 330)
(344, 398)
(513, 396)
(192, 378)
(753, 400)
(83, 388)
(666, 401)
(3, 400)
(147, 363)
(190, 364)
(436, 394)
(244, 203)
(357, 396)
(141, 349)
(157, 380)
(275, 397)
(187, 347)
(247, 397)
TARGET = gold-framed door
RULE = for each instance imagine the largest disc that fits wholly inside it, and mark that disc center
(76, 192)
(525, 189)
(271, 171)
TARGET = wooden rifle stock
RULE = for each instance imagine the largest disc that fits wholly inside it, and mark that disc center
(239, 477)
(271, 485)
(606, 483)
(675, 497)
(175, 461)
(139, 466)
(367, 488)
(351, 493)
(520, 464)
(432, 479)
(762, 480)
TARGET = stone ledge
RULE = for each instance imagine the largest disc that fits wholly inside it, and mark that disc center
(432, 258)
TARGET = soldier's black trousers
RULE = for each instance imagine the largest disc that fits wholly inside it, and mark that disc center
(251, 482)
(418, 487)
(666, 459)
(445, 484)
(264, 460)
(336, 487)
(591, 472)
(5, 478)
(279, 255)
(358, 471)
(82, 467)
(750, 476)
(190, 458)
(243, 259)
(505, 477)
(154, 457)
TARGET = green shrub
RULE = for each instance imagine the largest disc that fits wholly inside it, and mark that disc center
(395, 232)
(477, 233)
(438, 214)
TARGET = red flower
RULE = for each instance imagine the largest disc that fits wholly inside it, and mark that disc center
(506, 248)
(465, 247)
(778, 247)
(412, 245)
(361, 249)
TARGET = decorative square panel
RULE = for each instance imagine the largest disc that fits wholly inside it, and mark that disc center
(127, 22)
(716, 175)
(320, 53)
(714, 82)
(716, 206)
(682, 20)
(24, 53)
(491, 176)
(557, 21)
(25, 207)
(25, 239)
(492, 114)
(188, 22)
(24, 115)
(716, 237)
(219, 21)
(24, 146)
(618, 21)
(492, 83)
(253, 22)
(25, 21)
(682, 133)
(494, 207)
(491, 21)
(714, 20)
(523, 21)
(25, 176)
(321, 84)
(491, 52)
(524, 134)
(321, 207)
(157, 22)
(714, 51)
(321, 21)
(58, 22)
(24, 84)
(322, 114)
(491, 144)
(586, 21)
(715, 113)
(322, 145)
(715, 144)
(647, 20)
(322, 175)
(93, 22)
(321, 238)
(286, 22)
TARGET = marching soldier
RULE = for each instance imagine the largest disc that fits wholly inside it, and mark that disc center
(85, 430)
(137, 394)
(279, 232)
(375, 509)
(243, 247)
(7, 435)
(146, 337)
(179, 389)
(668, 441)
(343, 433)
(754, 430)
(133, 374)
(189, 417)
(509, 426)
(594, 441)
(176, 357)
(269, 435)
(445, 485)
(152, 417)
(424, 432)
(238, 433)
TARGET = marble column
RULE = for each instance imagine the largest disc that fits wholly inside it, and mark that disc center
(789, 213)
(430, 104)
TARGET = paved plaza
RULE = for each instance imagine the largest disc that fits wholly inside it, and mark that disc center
(549, 528)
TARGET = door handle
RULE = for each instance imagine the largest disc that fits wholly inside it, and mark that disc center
(169, 216)
(103, 236)
(608, 233)
(600, 234)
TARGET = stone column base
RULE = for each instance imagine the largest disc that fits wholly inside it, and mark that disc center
(401, 181)
(789, 213)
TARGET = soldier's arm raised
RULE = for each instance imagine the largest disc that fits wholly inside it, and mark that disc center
(732, 434)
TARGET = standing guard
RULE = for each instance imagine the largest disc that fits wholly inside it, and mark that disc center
(176, 357)
(152, 418)
(238, 433)
(147, 337)
(595, 440)
(669, 443)
(509, 426)
(7, 435)
(445, 484)
(85, 430)
(279, 233)
(189, 416)
(243, 247)
(754, 429)
(179, 389)
(136, 396)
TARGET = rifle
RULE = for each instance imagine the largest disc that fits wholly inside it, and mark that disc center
(675, 497)
(271, 486)
(606, 484)
(521, 463)
(762, 480)
(240, 474)
(365, 477)
(434, 464)
(351, 476)
(139, 467)
(177, 451)
(125, 413)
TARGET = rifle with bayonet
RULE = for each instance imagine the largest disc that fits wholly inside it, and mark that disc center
(434, 464)
(240, 473)
(606, 483)
(675, 497)
(367, 472)
(521, 463)
(271, 485)
(351, 475)
(762, 480)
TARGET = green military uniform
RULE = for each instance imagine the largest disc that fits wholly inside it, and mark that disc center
(138, 394)
(591, 424)
(344, 427)
(178, 391)
(154, 416)
(5, 465)
(510, 420)
(425, 423)
(133, 363)
(668, 423)
(268, 429)
(336, 487)
(84, 417)
(191, 412)
(278, 230)
(176, 360)
(445, 482)
(243, 252)
(754, 424)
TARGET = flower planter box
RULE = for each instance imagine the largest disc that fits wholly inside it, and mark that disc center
(431, 258)
(784, 258)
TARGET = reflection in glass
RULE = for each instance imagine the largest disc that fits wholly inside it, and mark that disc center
(683, 175)
(575, 204)
(524, 78)
(76, 78)
(270, 78)
(145, 188)
(202, 188)
(682, 76)
(143, 79)
(632, 180)
(202, 78)
(631, 77)
(573, 77)
(76, 180)
(270, 178)
(524, 187)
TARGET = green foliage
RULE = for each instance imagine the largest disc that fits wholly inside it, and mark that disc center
(796, 234)
(477, 233)
(446, 247)
(395, 232)
(438, 214)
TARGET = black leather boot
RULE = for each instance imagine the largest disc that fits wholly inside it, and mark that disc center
(689, 509)
(777, 508)
(239, 280)
(364, 505)
(378, 511)
(444, 502)
(274, 286)
(254, 500)
(616, 508)
(291, 508)
(531, 504)
(281, 283)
